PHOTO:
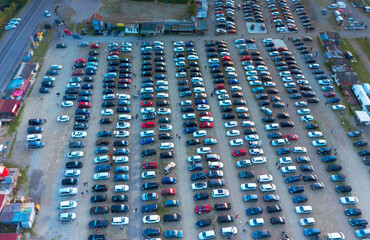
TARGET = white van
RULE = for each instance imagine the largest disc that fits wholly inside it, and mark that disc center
(67, 204)
(124, 117)
(120, 221)
(67, 191)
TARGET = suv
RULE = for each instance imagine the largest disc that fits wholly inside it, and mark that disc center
(169, 167)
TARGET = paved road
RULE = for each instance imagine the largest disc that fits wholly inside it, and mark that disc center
(16, 41)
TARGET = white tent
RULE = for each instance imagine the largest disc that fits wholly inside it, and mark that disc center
(341, 5)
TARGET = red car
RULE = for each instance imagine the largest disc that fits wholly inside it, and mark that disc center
(84, 104)
(226, 58)
(280, 49)
(148, 125)
(113, 53)
(240, 152)
(231, 31)
(276, 17)
(202, 209)
(146, 103)
(124, 80)
(80, 60)
(206, 125)
(219, 86)
(204, 113)
(150, 165)
(245, 58)
(95, 45)
(66, 31)
(169, 191)
(292, 137)
(329, 94)
(78, 73)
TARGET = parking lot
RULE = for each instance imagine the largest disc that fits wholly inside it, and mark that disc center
(196, 101)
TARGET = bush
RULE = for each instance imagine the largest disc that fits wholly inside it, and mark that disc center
(8, 10)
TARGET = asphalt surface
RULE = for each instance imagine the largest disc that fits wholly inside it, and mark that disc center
(16, 41)
(46, 180)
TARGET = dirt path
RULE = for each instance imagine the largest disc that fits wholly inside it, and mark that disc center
(361, 54)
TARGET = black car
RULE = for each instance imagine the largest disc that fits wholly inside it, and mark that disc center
(98, 224)
(246, 174)
(164, 136)
(120, 198)
(311, 126)
(192, 142)
(198, 176)
(277, 220)
(119, 208)
(149, 186)
(203, 223)
(274, 208)
(353, 212)
(171, 217)
(69, 181)
(98, 198)
(343, 188)
(80, 126)
(201, 196)
(76, 164)
(152, 232)
(148, 152)
(99, 210)
(275, 135)
(33, 122)
(287, 124)
(296, 189)
(169, 154)
(300, 198)
(225, 219)
(268, 119)
(104, 134)
(102, 168)
(99, 188)
(76, 144)
(120, 143)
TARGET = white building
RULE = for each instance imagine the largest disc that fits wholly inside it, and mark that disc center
(362, 97)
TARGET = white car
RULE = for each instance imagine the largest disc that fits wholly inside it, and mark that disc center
(303, 111)
(178, 49)
(124, 117)
(186, 103)
(287, 79)
(120, 159)
(203, 107)
(166, 145)
(324, 82)
(121, 188)
(338, 107)
(199, 185)
(101, 176)
(248, 124)
(299, 150)
(255, 83)
(148, 174)
(288, 169)
(163, 111)
(259, 160)
(67, 204)
(180, 64)
(348, 200)
(272, 126)
(306, 221)
(306, 118)
(300, 104)
(269, 84)
(236, 142)
(63, 118)
(235, 88)
(243, 163)
(268, 187)
(147, 110)
(319, 142)
(289, 85)
(256, 151)
(232, 133)
(123, 125)
(34, 137)
(76, 154)
(335, 236)
(251, 73)
(303, 209)
(252, 137)
(231, 124)
(254, 222)
(120, 221)
(224, 103)
(206, 235)
(188, 116)
(79, 134)
(314, 134)
(200, 133)
(221, 91)
(107, 112)
(100, 159)
(252, 78)
(248, 186)
(46, 13)
(215, 165)
(278, 142)
(229, 69)
(203, 150)
(285, 160)
(250, 68)
(179, 44)
(67, 104)
(126, 44)
(121, 134)
(265, 178)
(151, 219)
(147, 133)
(195, 158)
(72, 172)
(67, 216)
(206, 119)
(217, 193)
(192, 57)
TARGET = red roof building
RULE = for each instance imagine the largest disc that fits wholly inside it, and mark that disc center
(9, 109)
(10, 236)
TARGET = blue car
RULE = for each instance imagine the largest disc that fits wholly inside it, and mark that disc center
(327, 88)
(233, 81)
(258, 90)
(333, 100)
(169, 180)
(160, 76)
(147, 141)
(291, 179)
(189, 130)
(214, 65)
(254, 211)
(189, 44)
(149, 208)
(282, 151)
(171, 203)
(200, 101)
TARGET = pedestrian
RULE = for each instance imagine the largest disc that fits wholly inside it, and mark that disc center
(179, 137)
(335, 153)
(246, 229)
(135, 209)
(287, 105)
(135, 86)
(365, 26)
(335, 149)
(87, 191)
(87, 183)
(45, 120)
(121, 227)
(279, 166)
(57, 104)
(286, 236)
(311, 49)
(111, 163)
(276, 163)
(283, 232)
(97, 229)
(332, 131)
(236, 216)
(300, 175)
(200, 38)
(326, 103)
(205, 66)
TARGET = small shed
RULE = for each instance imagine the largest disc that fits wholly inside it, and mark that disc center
(147, 29)
(3, 172)
(9, 108)
(362, 118)
(18, 213)
(97, 21)
(121, 26)
(133, 28)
